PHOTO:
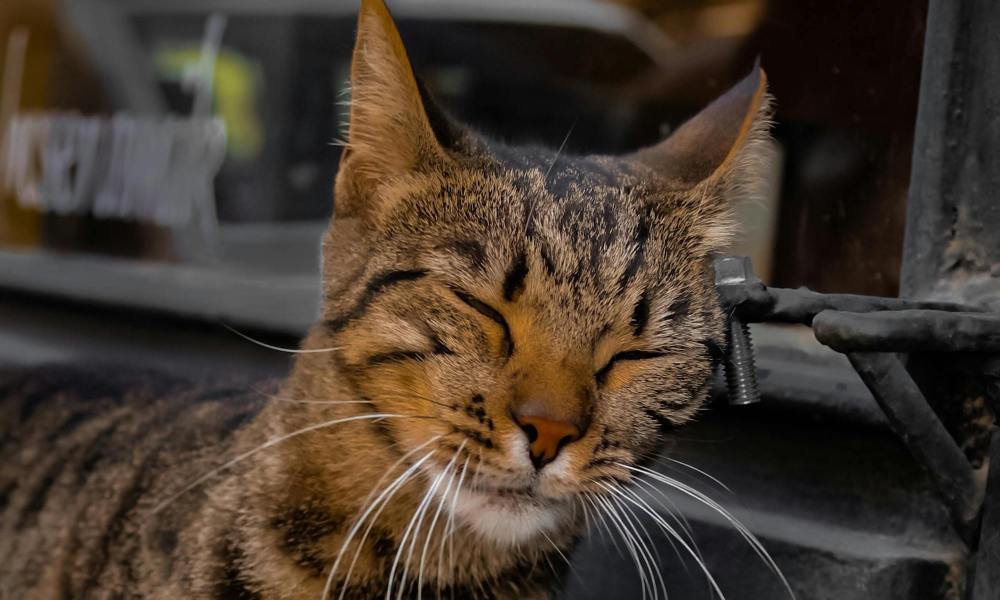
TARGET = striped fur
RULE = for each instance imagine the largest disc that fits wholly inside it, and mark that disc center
(87, 452)
(461, 278)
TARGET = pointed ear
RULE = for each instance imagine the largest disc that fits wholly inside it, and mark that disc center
(717, 143)
(389, 132)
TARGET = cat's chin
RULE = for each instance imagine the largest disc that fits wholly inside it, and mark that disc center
(509, 517)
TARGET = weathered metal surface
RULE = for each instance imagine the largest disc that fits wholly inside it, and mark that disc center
(986, 585)
(951, 248)
(908, 331)
(756, 302)
(925, 436)
(845, 512)
(739, 367)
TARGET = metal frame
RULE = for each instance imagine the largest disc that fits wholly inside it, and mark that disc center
(951, 248)
(951, 253)
(870, 331)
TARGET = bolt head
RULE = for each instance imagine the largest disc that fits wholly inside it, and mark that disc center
(733, 270)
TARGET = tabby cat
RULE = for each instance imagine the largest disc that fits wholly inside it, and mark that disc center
(505, 334)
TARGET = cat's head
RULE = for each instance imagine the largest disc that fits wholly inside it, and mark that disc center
(551, 315)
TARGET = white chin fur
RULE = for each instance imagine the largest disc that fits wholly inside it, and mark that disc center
(507, 522)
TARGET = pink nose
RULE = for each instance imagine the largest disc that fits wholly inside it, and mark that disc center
(546, 437)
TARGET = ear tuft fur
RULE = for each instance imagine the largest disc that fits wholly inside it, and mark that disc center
(389, 133)
(722, 153)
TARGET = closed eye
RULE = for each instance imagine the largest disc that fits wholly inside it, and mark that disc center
(602, 374)
(492, 314)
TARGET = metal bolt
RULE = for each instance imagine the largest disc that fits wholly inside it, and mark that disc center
(740, 370)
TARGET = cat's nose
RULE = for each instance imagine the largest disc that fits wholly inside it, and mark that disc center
(546, 437)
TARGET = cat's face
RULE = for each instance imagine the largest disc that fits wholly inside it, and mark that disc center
(546, 317)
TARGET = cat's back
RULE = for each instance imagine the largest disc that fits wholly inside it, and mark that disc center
(87, 453)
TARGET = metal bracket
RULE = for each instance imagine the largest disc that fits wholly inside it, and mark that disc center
(869, 330)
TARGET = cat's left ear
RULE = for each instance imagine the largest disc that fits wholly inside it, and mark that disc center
(719, 149)
(389, 134)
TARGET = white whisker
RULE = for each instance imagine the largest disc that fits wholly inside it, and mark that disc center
(437, 515)
(630, 544)
(265, 446)
(406, 536)
(652, 557)
(675, 515)
(634, 499)
(700, 472)
(747, 535)
(449, 526)
(278, 348)
(559, 152)
(382, 499)
(586, 513)
(399, 461)
(670, 531)
(557, 549)
(602, 521)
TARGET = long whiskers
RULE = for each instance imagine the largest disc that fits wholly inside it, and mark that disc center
(417, 515)
(642, 533)
(380, 503)
(269, 444)
(388, 472)
(631, 497)
(449, 526)
(631, 544)
(601, 519)
(437, 515)
(554, 546)
(675, 515)
(699, 496)
(700, 472)
(650, 558)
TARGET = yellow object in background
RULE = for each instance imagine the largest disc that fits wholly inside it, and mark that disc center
(236, 91)
(34, 21)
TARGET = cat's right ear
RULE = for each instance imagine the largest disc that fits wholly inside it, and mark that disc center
(715, 145)
(389, 135)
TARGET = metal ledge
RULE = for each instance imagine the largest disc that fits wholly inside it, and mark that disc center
(283, 303)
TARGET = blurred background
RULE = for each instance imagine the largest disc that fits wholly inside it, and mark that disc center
(167, 167)
(264, 79)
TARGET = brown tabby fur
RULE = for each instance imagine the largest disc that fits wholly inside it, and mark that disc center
(460, 278)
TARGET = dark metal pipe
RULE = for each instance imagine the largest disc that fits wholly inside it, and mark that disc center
(918, 426)
(952, 213)
(756, 303)
(908, 331)
(987, 578)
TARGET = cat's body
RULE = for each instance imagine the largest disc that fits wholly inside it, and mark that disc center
(86, 454)
(90, 455)
(504, 336)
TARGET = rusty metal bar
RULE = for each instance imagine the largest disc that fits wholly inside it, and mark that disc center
(755, 303)
(987, 578)
(919, 428)
(908, 331)
(951, 245)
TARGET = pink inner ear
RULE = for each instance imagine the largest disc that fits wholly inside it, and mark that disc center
(707, 142)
